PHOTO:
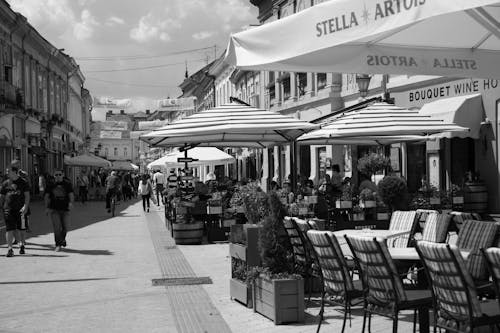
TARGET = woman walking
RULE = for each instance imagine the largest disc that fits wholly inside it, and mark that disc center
(145, 189)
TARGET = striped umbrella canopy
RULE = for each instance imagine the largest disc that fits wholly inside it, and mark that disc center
(230, 125)
(204, 156)
(87, 160)
(378, 123)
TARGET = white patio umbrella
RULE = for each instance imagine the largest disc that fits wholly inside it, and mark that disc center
(457, 38)
(124, 166)
(379, 123)
(230, 125)
(203, 155)
(87, 160)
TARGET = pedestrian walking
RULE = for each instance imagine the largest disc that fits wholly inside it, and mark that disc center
(24, 175)
(159, 182)
(14, 201)
(59, 199)
(112, 189)
(83, 186)
(145, 189)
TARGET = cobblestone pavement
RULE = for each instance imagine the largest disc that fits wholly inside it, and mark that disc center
(102, 282)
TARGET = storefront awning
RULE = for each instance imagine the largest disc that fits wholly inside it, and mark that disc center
(466, 111)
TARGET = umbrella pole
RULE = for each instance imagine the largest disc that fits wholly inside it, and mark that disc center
(293, 164)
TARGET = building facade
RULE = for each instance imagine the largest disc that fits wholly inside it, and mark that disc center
(44, 108)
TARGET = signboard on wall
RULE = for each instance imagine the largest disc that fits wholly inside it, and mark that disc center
(114, 125)
(110, 135)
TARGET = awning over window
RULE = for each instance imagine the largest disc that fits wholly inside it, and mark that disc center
(466, 111)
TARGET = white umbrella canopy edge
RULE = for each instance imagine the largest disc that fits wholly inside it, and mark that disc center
(458, 38)
(87, 160)
(204, 155)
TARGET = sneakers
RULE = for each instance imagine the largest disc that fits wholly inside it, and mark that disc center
(21, 250)
(10, 253)
(58, 248)
(148, 210)
(63, 243)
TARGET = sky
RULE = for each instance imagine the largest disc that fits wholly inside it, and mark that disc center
(107, 36)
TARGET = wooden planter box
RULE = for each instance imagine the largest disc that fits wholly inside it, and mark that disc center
(279, 300)
(241, 292)
(368, 204)
(458, 200)
(435, 201)
(343, 204)
(358, 216)
(382, 216)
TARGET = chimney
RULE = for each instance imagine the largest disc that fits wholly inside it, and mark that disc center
(122, 111)
(147, 111)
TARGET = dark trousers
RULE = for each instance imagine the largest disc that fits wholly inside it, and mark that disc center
(60, 223)
(145, 201)
(82, 193)
(159, 193)
(109, 194)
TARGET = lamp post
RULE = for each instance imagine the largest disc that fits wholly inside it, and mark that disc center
(363, 82)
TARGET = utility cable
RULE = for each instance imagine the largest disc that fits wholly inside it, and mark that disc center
(141, 68)
(137, 57)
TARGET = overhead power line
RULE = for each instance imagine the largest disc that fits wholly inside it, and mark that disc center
(141, 68)
(131, 84)
(144, 56)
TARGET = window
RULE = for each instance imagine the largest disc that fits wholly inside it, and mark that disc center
(286, 88)
(321, 79)
(301, 83)
(125, 151)
(115, 151)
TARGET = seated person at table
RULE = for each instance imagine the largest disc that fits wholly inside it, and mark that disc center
(308, 189)
(287, 188)
(366, 182)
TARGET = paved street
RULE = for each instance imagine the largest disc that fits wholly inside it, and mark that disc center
(102, 282)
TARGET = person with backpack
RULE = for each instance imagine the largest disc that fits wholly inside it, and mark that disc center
(145, 189)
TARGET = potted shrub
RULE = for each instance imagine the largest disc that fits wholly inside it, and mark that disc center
(393, 192)
(278, 293)
(358, 214)
(368, 198)
(185, 229)
(345, 200)
(372, 163)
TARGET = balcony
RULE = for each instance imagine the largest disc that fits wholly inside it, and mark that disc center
(7, 95)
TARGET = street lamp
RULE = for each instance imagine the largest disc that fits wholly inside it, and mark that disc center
(363, 82)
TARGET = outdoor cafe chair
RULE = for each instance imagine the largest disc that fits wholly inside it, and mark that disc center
(492, 256)
(473, 236)
(301, 250)
(436, 227)
(337, 285)
(458, 218)
(402, 221)
(385, 293)
(422, 216)
(456, 304)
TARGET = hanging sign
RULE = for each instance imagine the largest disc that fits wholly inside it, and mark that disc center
(186, 159)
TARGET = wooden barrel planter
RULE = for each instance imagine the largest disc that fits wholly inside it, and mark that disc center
(188, 233)
(475, 197)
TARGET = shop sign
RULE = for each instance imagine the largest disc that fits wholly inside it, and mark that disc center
(420, 96)
(186, 159)
(110, 135)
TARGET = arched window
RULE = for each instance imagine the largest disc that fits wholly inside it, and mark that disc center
(125, 151)
(115, 151)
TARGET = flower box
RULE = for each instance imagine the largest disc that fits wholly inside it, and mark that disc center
(458, 200)
(343, 204)
(311, 199)
(434, 201)
(382, 216)
(358, 216)
(368, 204)
(279, 300)
(240, 291)
(214, 209)
(227, 223)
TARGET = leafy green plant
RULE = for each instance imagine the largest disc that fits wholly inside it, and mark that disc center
(367, 195)
(394, 192)
(255, 202)
(372, 163)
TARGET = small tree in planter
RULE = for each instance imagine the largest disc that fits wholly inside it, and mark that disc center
(368, 198)
(394, 192)
(372, 163)
(278, 292)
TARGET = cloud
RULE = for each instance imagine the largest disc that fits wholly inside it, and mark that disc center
(113, 20)
(50, 13)
(203, 35)
(85, 28)
(85, 2)
(150, 28)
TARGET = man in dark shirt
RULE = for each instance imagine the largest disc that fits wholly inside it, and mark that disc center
(112, 187)
(14, 203)
(59, 199)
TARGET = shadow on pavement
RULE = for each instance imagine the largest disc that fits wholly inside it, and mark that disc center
(50, 247)
(55, 281)
(81, 216)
